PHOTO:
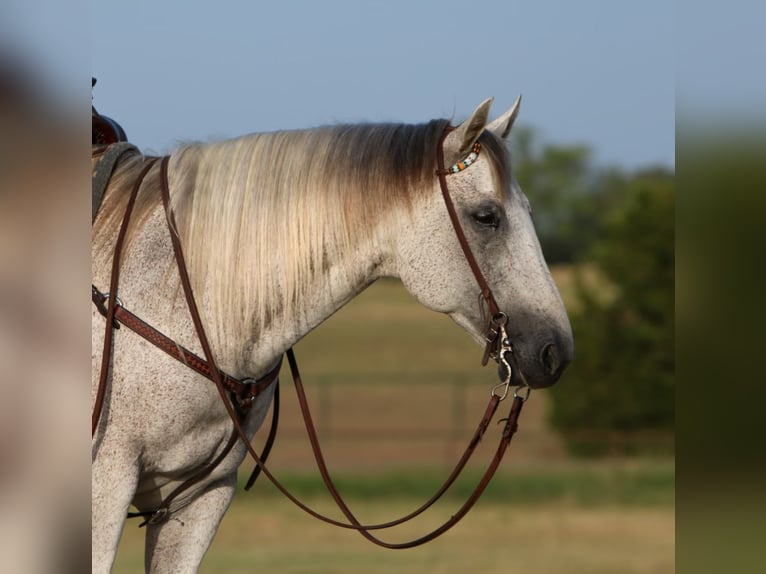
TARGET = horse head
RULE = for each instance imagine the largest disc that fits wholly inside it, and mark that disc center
(495, 217)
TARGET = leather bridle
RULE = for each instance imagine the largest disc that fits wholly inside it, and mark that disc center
(498, 343)
(239, 395)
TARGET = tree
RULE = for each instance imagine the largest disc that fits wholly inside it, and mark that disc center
(622, 379)
(567, 196)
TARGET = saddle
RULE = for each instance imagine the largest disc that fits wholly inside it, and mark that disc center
(110, 143)
(105, 130)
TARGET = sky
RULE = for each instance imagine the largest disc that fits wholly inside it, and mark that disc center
(611, 74)
(594, 72)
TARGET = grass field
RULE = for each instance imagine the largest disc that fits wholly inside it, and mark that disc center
(557, 538)
(568, 519)
(397, 391)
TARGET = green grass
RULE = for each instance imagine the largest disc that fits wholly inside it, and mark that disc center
(645, 484)
(568, 521)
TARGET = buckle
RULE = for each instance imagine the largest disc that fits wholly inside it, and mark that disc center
(157, 517)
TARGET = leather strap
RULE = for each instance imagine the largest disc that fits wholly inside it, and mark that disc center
(486, 292)
(192, 303)
(112, 300)
(246, 389)
(270, 439)
(511, 426)
(495, 317)
(161, 513)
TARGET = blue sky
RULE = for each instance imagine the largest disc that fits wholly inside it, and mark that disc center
(607, 73)
(594, 72)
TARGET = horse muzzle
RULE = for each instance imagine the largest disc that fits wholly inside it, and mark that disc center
(537, 365)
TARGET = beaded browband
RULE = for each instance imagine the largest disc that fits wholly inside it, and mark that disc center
(472, 157)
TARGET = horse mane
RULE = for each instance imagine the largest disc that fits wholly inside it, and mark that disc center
(271, 210)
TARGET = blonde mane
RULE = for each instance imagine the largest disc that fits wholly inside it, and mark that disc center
(269, 212)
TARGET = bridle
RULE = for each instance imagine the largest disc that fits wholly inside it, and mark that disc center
(238, 396)
(498, 343)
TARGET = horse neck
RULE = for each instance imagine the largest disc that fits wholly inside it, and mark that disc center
(249, 333)
(331, 289)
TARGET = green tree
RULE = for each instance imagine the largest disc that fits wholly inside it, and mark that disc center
(567, 195)
(622, 378)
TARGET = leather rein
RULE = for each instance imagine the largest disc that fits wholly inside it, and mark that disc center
(238, 396)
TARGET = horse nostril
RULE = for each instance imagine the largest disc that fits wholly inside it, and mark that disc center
(550, 358)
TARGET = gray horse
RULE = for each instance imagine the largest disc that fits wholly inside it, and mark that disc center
(279, 231)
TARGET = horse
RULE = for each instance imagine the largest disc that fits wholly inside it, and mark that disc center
(279, 230)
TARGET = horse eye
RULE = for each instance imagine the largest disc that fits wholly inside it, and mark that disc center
(486, 217)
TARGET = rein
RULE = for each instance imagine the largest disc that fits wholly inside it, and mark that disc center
(241, 394)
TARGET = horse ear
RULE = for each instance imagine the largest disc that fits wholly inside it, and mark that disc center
(501, 127)
(460, 141)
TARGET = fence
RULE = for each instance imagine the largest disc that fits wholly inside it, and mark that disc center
(368, 422)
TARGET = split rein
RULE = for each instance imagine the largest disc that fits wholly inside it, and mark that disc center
(238, 396)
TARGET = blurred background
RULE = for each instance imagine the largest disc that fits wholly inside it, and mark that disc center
(589, 483)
